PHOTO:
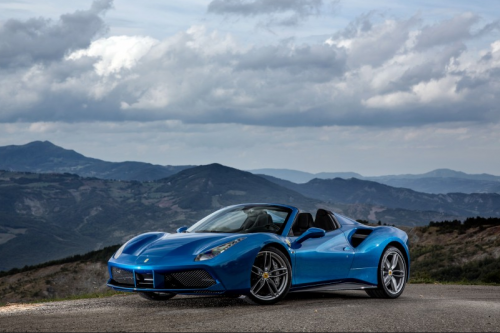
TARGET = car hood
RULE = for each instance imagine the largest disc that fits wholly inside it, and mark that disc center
(184, 244)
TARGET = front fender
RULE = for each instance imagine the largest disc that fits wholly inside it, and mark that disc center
(234, 266)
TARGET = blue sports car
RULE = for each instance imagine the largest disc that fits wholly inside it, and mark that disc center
(263, 252)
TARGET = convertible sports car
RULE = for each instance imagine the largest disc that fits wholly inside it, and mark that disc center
(262, 252)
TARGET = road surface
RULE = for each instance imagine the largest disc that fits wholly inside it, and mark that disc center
(420, 308)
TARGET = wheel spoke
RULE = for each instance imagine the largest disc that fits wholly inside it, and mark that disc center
(256, 270)
(272, 287)
(398, 274)
(394, 284)
(278, 270)
(269, 261)
(394, 261)
(258, 286)
(387, 264)
(387, 280)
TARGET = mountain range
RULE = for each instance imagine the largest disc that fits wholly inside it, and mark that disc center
(45, 157)
(439, 181)
(355, 191)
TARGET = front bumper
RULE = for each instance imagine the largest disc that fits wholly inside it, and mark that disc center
(193, 280)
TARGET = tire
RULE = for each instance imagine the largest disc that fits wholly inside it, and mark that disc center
(391, 275)
(270, 278)
(154, 296)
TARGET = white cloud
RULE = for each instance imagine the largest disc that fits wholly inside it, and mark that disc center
(116, 53)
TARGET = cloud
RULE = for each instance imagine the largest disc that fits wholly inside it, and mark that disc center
(278, 12)
(456, 29)
(42, 40)
(375, 72)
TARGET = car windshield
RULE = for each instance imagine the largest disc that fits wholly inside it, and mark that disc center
(244, 219)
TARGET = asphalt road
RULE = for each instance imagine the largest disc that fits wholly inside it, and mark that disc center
(420, 308)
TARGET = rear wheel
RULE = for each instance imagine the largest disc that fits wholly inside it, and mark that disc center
(155, 296)
(271, 277)
(391, 275)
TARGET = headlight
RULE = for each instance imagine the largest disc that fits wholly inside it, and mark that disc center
(120, 251)
(212, 253)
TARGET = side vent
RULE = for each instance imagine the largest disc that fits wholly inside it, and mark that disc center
(359, 236)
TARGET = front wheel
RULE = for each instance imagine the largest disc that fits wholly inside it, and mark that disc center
(271, 277)
(155, 296)
(391, 275)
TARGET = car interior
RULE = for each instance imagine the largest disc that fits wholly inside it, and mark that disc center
(324, 220)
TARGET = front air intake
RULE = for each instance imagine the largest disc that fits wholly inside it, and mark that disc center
(122, 277)
(198, 279)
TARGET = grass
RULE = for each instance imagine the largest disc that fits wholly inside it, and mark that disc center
(109, 293)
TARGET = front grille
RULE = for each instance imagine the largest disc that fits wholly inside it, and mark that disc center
(144, 280)
(122, 276)
(198, 279)
(206, 292)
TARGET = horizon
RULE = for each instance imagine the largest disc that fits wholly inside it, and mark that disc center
(257, 84)
(256, 169)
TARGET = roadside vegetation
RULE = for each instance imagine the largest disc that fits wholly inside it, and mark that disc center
(457, 252)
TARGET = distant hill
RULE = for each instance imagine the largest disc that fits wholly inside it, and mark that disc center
(353, 191)
(440, 181)
(441, 173)
(303, 177)
(45, 157)
(444, 185)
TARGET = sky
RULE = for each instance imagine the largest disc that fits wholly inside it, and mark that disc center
(385, 87)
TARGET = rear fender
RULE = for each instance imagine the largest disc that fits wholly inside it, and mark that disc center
(367, 255)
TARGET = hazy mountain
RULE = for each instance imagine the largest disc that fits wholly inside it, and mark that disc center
(440, 181)
(444, 185)
(303, 177)
(353, 191)
(441, 173)
(45, 157)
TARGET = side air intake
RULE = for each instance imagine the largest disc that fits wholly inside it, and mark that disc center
(359, 236)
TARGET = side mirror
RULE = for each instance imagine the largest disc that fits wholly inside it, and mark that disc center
(310, 233)
(182, 230)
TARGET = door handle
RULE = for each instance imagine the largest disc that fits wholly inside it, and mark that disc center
(347, 248)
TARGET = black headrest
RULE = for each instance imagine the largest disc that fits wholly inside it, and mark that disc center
(305, 220)
(323, 220)
(263, 220)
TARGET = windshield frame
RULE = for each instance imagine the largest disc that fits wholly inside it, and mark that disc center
(291, 213)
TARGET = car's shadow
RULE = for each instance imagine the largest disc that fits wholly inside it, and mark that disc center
(221, 301)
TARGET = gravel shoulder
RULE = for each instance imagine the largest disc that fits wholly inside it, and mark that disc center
(420, 308)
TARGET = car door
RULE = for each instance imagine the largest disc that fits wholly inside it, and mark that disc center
(324, 259)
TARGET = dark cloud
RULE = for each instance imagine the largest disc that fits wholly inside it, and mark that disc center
(278, 12)
(41, 40)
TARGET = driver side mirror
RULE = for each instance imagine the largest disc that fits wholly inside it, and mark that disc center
(182, 230)
(310, 233)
